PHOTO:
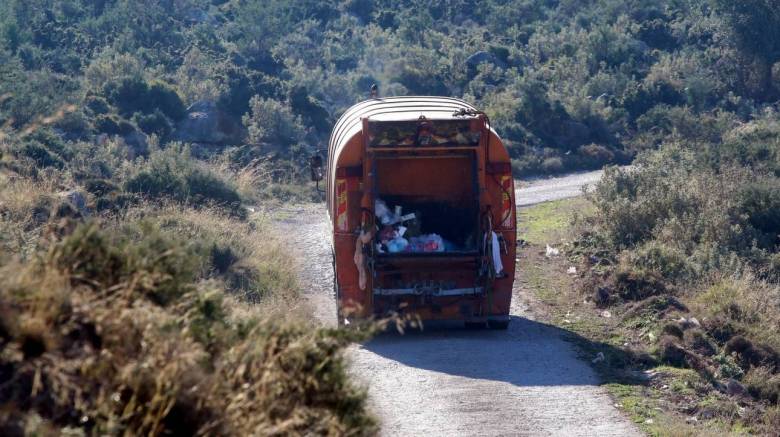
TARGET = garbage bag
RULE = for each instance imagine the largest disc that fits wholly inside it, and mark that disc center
(382, 212)
(398, 244)
(427, 243)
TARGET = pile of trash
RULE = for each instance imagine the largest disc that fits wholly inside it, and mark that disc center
(399, 232)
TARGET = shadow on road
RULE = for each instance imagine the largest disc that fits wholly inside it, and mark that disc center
(529, 353)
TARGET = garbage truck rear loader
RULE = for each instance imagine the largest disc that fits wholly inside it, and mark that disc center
(422, 206)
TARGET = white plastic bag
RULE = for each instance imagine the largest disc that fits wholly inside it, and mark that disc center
(497, 265)
(382, 212)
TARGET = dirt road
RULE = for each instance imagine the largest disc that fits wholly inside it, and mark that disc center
(544, 190)
(450, 381)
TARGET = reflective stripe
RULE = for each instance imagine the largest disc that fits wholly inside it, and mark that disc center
(341, 205)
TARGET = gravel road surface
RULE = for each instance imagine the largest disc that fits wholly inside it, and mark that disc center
(544, 190)
(449, 381)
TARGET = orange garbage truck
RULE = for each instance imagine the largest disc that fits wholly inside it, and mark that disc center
(422, 206)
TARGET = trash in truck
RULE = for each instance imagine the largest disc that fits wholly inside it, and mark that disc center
(386, 217)
(427, 243)
(400, 233)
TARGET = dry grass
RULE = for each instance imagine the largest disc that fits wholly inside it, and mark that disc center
(749, 303)
(146, 348)
(243, 255)
(166, 310)
(24, 209)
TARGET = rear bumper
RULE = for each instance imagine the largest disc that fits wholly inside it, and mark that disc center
(471, 307)
(473, 291)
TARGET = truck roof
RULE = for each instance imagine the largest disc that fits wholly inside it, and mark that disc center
(392, 109)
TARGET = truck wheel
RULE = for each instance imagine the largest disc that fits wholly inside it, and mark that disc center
(498, 324)
(474, 325)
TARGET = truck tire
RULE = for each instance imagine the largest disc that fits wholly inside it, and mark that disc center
(498, 324)
(474, 325)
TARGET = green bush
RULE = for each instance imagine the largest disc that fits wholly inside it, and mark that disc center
(172, 174)
(205, 185)
(760, 202)
(40, 155)
(274, 125)
(155, 123)
(164, 98)
(763, 384)
(133, 94)
(634, 283)
(552, 165)
(97, 105)
(128, 95)
(113, 125)
(166, 269)
(669, 262)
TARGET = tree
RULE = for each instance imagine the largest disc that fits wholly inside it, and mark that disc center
(273, 124)
(755, 27)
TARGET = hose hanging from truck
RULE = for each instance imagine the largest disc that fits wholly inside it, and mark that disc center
(486, 268)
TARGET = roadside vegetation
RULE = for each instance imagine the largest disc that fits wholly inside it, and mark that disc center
(675, 263)
(140, 297)
(685, 247)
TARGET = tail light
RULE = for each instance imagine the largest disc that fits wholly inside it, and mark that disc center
(507, 215)
(501, 172)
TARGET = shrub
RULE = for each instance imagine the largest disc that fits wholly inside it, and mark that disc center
(594, 156)
(670, 352)
(707, 220)
(194, 362)
(128, 95)
(552, 165)
(636, 283)
(751, 355)
(164, 98)
(170, 174)
(673, 329)
(760, 202)
(53, 142)
(157, 183)
(97, 105)
(205, 185)
(133, 94)
(669, 262)
(273, 125)
(243, 256)
(99, 187)
(698, 342)
(40, 155)
(154, 123)
(113, 125)
(763, 384)
(161, 266)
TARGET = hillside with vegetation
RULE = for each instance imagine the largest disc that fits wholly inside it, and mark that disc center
(139, 295)
(570, 85)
